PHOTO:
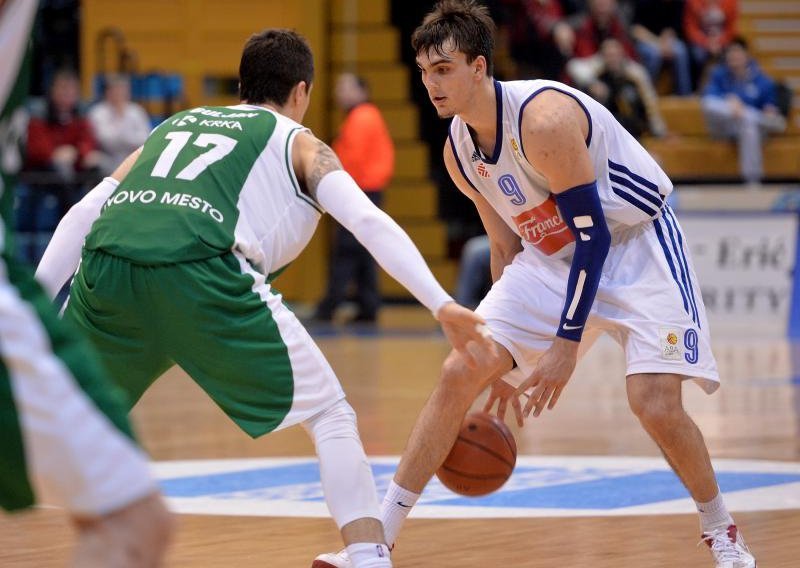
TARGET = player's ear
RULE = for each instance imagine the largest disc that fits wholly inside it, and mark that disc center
(479, 66)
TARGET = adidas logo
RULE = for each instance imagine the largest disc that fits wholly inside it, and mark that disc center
(475, 156)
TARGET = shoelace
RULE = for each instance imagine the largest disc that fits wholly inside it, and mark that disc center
(724, 549)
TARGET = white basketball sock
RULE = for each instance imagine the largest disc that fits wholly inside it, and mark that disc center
(369, 555)
(714, 514)
(396, 506)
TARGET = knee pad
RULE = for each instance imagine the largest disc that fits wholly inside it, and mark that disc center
(337, 421)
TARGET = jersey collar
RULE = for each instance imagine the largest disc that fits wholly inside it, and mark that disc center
(498, 141)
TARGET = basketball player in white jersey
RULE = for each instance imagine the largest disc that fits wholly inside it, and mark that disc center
(582, 242)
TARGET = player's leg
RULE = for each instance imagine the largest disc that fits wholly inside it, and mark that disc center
(666, 340)
(348, 484)
(68, 429)
(521, 310)
(234, 336)
(656, 400)
(437, 425)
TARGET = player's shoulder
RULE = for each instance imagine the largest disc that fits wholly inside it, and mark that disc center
(551, 109)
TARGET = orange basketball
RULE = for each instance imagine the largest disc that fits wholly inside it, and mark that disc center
(482, 458)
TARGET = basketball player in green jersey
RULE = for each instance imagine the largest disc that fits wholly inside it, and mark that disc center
(62, 422)
(177, 265)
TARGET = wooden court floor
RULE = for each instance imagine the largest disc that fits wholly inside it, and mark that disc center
(756, 415)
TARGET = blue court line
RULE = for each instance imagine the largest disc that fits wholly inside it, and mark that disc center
(601, 494)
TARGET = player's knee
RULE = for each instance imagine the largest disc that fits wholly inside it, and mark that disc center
(655, 413)
(458, 379)
(337, 421)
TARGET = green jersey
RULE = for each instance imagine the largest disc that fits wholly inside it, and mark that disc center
(211, 180)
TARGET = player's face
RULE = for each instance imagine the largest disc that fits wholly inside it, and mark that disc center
(449, 79)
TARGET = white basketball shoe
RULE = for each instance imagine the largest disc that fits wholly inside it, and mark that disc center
(332, 560)
(727, 547)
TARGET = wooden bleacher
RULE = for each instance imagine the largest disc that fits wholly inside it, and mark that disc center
(202, 42)
(772, 28)
(363, 41)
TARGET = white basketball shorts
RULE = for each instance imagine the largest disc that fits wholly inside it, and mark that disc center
(648, 301)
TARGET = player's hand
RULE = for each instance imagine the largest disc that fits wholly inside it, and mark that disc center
(550, 376)
(502, 392)
(467, 333)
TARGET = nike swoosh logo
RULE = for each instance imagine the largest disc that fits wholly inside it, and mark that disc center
(403, 505)
(566, 327)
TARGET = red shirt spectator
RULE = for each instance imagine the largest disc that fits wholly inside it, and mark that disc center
(64, 138)
(45, 137)
(601, 24)
(710, 24)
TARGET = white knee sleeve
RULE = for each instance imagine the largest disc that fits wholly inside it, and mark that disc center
(346, 475)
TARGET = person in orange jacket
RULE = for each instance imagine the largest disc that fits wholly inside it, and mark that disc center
(709, 26)
(366, 151)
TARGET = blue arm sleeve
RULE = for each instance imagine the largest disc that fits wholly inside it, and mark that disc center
(581, 210)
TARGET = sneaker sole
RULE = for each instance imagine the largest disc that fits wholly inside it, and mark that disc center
(322, 564)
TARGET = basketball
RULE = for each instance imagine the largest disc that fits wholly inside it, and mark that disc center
(482, 458)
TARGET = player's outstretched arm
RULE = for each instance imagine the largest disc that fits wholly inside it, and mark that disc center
(554, 130)
(319, 170)
(60, 259)
(503, 242)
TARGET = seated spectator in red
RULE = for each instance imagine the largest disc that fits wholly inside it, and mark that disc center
(62, 161)
(62, 142)
(709, 26)
(658, 30)
(541, 40)
(625, 93)
(120, 125)
(601, 23)
(740, 103)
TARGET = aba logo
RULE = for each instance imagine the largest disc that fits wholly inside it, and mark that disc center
(670, 348)
(188, 119)
(483, 170)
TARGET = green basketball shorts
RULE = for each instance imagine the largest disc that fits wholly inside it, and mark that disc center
(216, 318)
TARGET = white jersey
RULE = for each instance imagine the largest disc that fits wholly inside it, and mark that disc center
(631, 185)
(276, 219)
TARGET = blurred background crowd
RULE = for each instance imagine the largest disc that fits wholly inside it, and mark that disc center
(682, 76)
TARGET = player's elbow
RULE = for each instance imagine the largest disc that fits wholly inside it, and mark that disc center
(367, 223)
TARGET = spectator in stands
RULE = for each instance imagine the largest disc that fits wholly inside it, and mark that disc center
(474, 272)
(367, 153)
(541, 40)
(601, 23)
(62, 142)
(739, 102)
(709, 26)
(626, 93)
(62, 159)
(119, 125)
(657, 28)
